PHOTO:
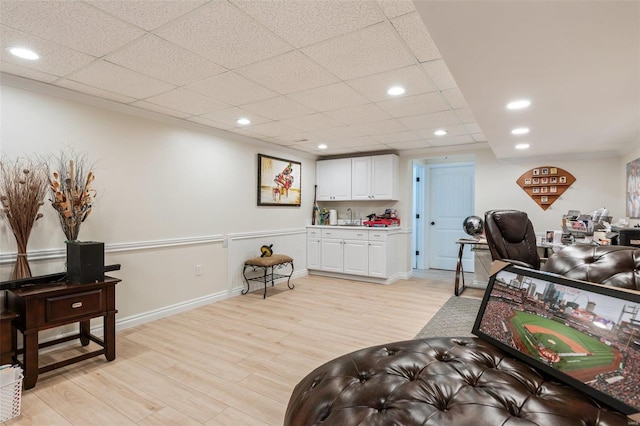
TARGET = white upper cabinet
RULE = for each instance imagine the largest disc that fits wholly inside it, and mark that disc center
(374, 177)
(334, 179)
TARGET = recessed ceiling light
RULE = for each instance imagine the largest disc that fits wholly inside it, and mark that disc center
(522, 103)
(440, 132)
(322, 146)
(243, 121)
(24, 53)
(395, 90)
(520, 131)
(522, 146)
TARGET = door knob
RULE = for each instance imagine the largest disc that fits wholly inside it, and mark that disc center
(433, 223)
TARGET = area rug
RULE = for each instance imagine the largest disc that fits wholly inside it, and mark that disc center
(454, 319)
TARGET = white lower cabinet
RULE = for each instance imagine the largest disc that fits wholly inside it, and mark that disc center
(360, 251)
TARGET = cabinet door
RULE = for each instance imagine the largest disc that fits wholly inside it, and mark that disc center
(356, 257)
(332, 255)
(333, 178)
(361, 178)
(378, 259)
(384, 170)
(314, 252)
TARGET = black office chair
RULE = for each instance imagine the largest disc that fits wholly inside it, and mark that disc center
(511, 238)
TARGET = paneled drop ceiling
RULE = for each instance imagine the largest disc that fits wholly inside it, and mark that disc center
(317, 71)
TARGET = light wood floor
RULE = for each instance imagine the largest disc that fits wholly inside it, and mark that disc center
(233, 362)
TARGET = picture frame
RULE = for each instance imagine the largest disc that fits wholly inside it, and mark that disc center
(562, 179)
(553, 179)
(545, 170)
(553, 189)
(527, 181)
(279, 182)
(536, 181)
(536, 190)
(536, 172)
(544, 199)
(549, 236)
(544, 190)
(632, 190)
(544, 181)
(577, 332)
(553, 170)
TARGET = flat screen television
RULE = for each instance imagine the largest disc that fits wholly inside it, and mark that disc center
(583, 334)
(629, 237)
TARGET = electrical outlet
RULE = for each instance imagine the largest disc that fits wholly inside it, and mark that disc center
(198, 270)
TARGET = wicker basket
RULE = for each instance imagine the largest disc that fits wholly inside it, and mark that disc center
(10, 397)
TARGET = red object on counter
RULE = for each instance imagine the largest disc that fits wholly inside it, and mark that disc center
(382, 222)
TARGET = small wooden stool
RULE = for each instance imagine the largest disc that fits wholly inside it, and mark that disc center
(275, 261)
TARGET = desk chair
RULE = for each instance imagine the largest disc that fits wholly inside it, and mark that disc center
(511, 238)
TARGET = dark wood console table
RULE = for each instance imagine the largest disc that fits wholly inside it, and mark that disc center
(44, 306)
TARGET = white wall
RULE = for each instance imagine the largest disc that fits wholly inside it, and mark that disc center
(169, 197)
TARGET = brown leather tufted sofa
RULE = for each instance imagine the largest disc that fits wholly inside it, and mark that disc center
(458, 381)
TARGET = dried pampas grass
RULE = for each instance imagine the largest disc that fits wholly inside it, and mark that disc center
(23, 186)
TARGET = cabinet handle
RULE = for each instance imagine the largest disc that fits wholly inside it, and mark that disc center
(76, 305)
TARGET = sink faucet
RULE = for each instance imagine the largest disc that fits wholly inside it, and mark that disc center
(350, 216)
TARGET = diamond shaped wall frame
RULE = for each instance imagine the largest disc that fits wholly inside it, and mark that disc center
(545, 184)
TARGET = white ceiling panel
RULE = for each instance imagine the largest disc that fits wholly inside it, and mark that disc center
(302, 23)
(393, 8)
(287, 73)
(232, 89)
(147, 15)
(114, 78)
(279, 108)
(271, 129)
(440, 74)
(334, 96)
(415, 34)
(427, 121)
(55, 59)
(415, 144)
(367, 113)
(12, 68)
(367, 51)
(451, 140)
(455, 98)
(412, 78)
(403, 136)
(222, 33)
(75, 24)
(229, 117)
(313, 122)
(210, 123)
(160, 109)
(187, 101)
(94, 91)
(414, 105)
(379, 127)
(158, 58)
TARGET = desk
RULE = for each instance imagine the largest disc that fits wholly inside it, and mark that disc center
(44, 306)
(547, 249)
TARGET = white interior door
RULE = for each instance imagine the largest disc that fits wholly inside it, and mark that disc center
(450, 201)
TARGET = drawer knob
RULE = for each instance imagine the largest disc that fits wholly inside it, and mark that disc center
(76, 305)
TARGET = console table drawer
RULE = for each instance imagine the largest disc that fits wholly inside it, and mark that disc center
(73, 305)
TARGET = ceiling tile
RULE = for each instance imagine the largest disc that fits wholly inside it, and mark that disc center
(187, 101)
(379, 127)
(15, 69)
(451, 140)
(359, 114)
(354, 142)
(396, 137)
(54, 59)
(295, 138)
(312, 122)
(334, 133)
(94, 91)
(452, 130)
(427, 121)
(371, 148)
(232, 89)
(415, 144)
(325, 98)
(393, 8)
(414, 105)
(439, 73)
(472, 127)
(465, 115)
(370, 50)
(287, 73)
(415, 34)
(209, 123)
(455, 98)
(158, 58)
(278, 108)
(272, 129)
(148, 15)
(229, 116)
(479, 137)
(74, 24)
(224, 34)
(302, 23)
(107, 76)
(160, 109)
(375, 86)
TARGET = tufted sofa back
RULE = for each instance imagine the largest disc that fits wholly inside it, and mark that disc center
(617, 266)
